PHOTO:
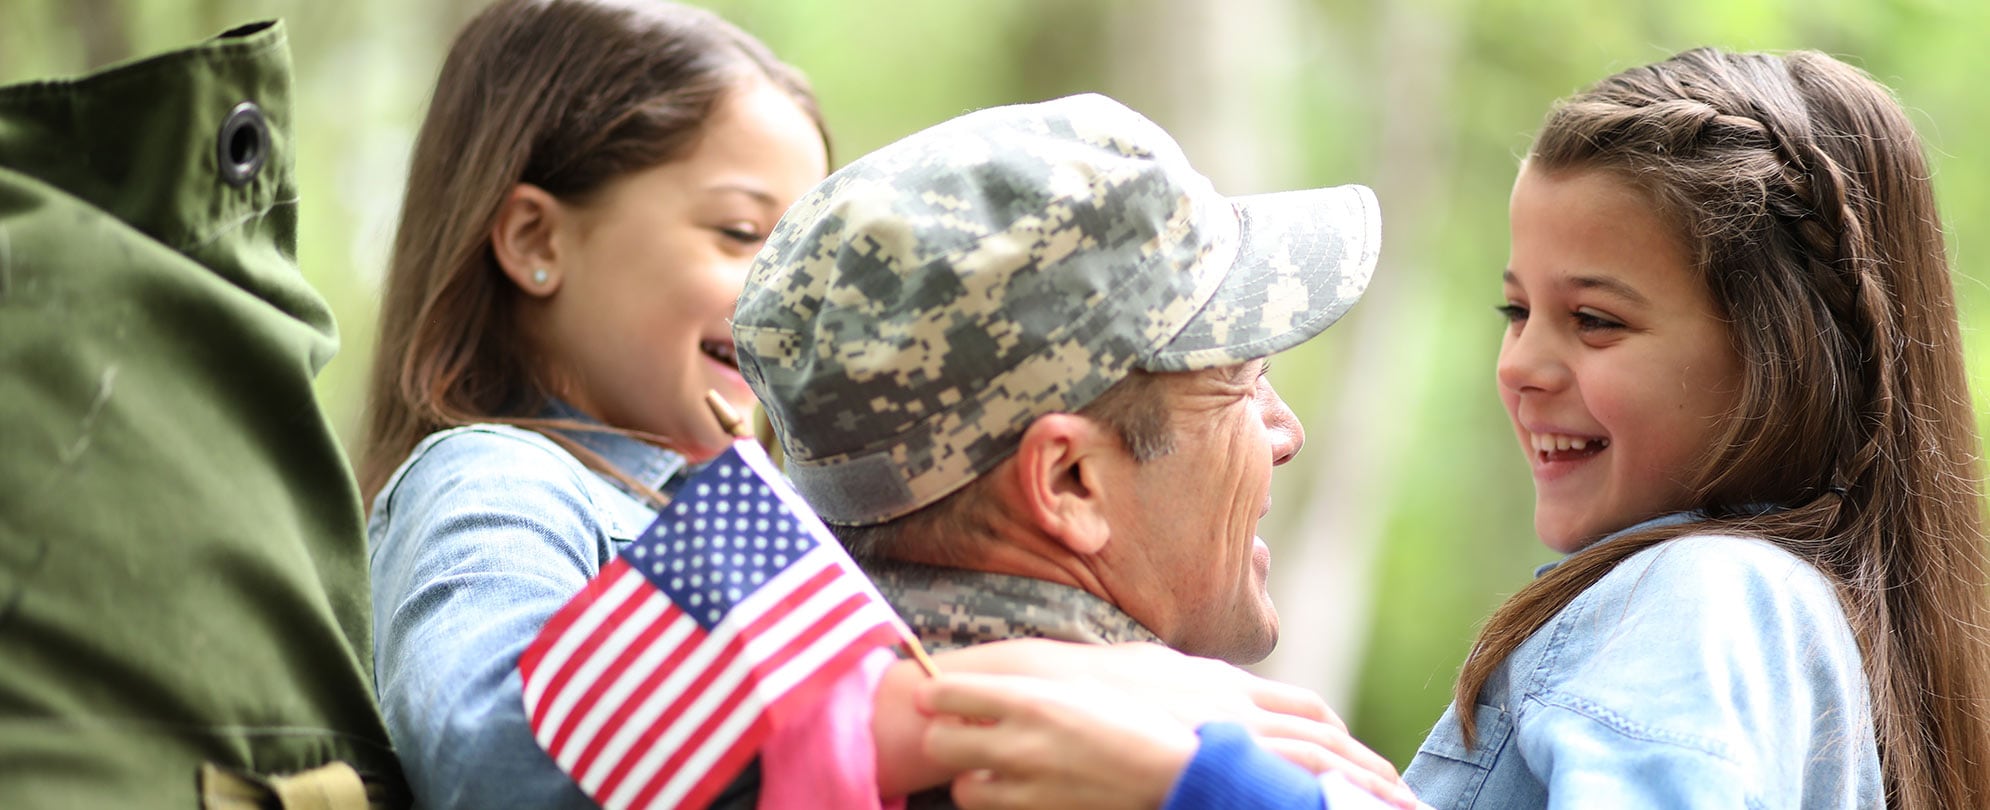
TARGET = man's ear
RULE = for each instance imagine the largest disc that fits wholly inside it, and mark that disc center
(522, 239)
(1062, 467)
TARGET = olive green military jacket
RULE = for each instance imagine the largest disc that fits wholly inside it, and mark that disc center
(182, 559)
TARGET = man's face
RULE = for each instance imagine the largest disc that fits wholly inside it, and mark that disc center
(1187, 538)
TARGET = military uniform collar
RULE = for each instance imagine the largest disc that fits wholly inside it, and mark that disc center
(955, 607)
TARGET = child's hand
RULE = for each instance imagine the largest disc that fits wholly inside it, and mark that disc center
(1028, 742)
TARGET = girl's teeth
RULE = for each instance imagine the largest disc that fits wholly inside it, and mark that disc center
(1549, 443)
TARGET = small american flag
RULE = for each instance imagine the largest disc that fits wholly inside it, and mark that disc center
(657, 683)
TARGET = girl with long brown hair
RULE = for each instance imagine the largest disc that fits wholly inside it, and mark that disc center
(1734, 367)
(587, 191)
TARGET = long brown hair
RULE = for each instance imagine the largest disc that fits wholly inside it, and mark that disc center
(1803, 192)
(566, 95)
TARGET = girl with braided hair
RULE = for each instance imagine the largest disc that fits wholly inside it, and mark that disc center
(1733, 363)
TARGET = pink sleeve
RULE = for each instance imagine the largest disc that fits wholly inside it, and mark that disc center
(828, 758)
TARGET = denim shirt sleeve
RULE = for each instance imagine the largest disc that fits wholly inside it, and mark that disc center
(1704, 672)
(482, 536)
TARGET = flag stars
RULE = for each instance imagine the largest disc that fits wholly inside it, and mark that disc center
(725, 489)
(758, 577)
(639, 551)
(704, 490)
(760, 540)
(657, 568)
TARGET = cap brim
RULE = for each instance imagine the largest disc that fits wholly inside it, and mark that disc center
(1303, 258)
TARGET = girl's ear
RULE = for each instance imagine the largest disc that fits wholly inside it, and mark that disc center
(522, 239)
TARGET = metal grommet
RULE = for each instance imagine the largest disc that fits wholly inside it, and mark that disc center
(242, 146)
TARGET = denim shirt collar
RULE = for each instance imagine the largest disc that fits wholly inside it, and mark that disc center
(656, 467)
(1659, 522)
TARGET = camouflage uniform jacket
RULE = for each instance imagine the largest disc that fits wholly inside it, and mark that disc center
(950, 608)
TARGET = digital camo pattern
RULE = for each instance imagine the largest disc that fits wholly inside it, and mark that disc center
(913, 313)
(949, 608)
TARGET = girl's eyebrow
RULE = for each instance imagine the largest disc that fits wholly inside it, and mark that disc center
(759, 195)
(1608, 285)
(1604, 283)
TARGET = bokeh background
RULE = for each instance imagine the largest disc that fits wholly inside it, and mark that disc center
(1407, 518)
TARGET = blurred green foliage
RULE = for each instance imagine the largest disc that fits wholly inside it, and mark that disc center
(1429, 101)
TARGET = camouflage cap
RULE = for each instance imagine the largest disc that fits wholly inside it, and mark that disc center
(914, 312)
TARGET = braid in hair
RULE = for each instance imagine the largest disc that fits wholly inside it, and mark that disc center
(1800, 188)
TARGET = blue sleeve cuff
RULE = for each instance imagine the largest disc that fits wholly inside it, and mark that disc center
(1230, 771)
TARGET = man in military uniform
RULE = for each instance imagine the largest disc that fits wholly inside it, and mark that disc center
(1017, 362)
(183, 608)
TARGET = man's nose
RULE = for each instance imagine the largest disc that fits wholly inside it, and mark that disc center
(1286, 434)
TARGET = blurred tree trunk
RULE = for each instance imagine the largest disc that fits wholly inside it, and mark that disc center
(1360, 431)
(101, 24)
(1222, 77)
(1211, 72)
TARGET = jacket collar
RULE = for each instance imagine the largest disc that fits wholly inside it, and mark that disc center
(653, 466)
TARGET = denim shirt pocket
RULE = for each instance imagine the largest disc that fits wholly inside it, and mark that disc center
(1446, 774)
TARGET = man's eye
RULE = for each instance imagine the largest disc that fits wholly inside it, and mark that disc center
(1513, 313)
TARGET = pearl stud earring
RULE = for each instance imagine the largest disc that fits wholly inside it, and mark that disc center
(539, 276)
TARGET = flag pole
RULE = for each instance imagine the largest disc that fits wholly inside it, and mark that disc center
(736, 426)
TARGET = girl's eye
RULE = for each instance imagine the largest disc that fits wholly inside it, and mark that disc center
(1513, 313)
(745, 233)
(1591, 322)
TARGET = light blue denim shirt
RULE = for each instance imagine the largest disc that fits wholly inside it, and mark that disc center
(483, 533)
(1706, 671)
